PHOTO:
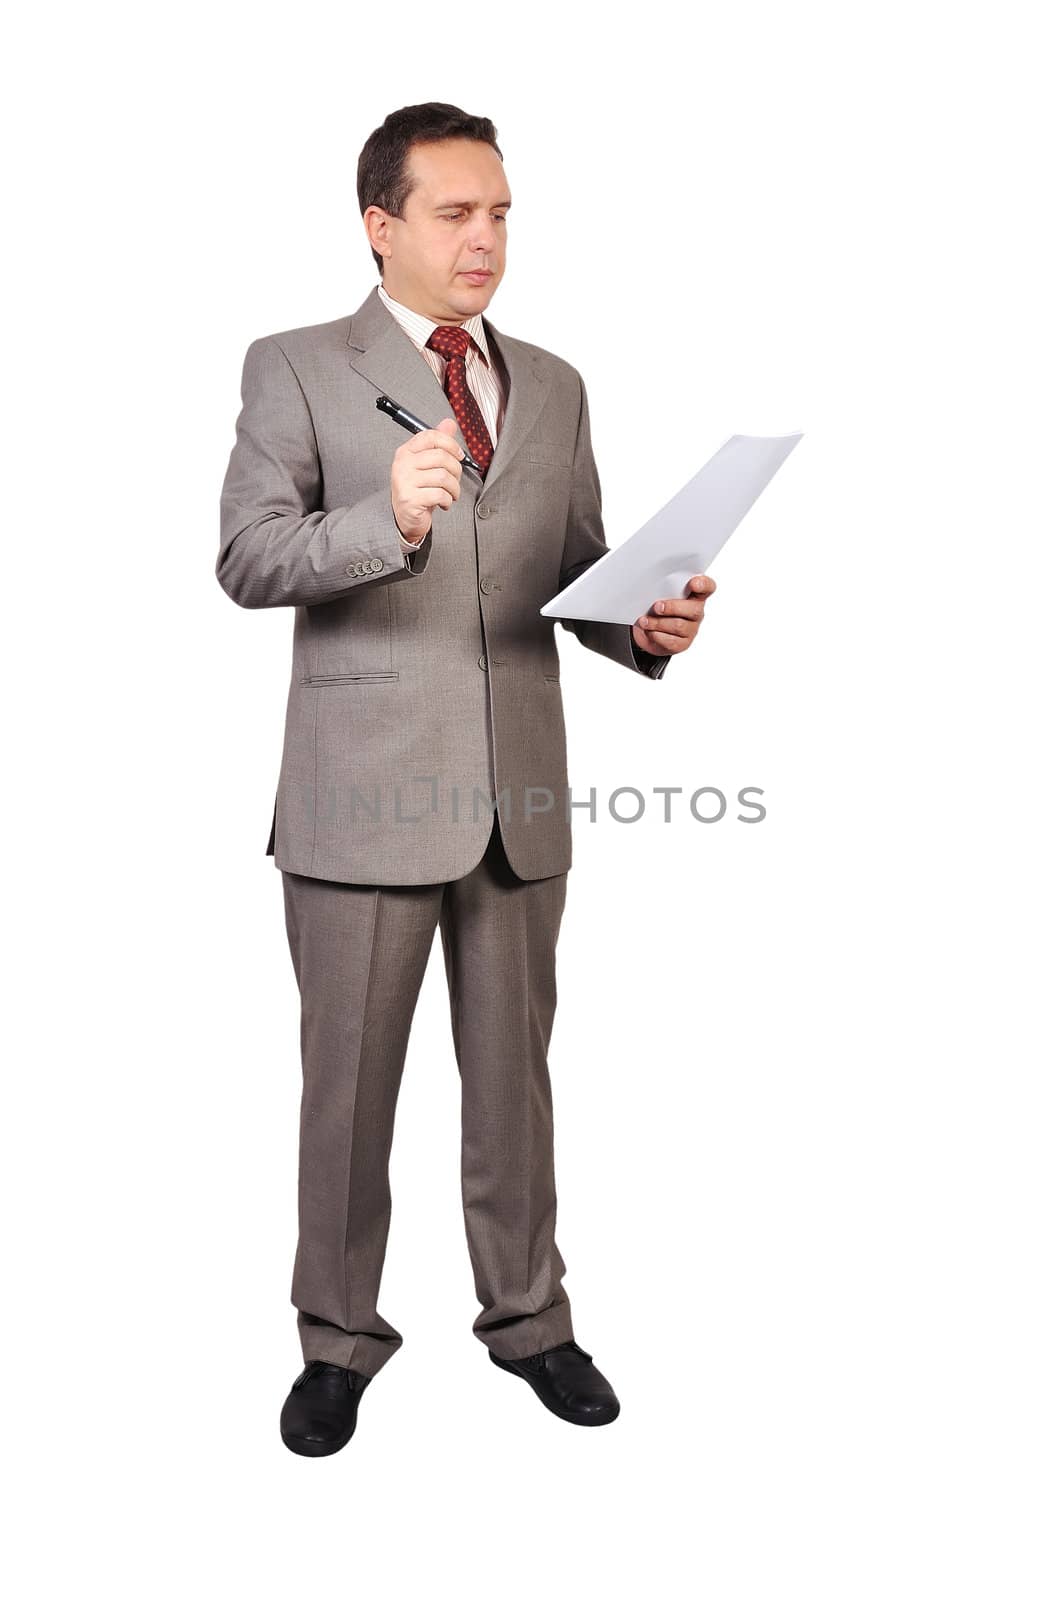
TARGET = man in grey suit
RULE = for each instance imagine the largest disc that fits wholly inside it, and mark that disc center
(423, 780)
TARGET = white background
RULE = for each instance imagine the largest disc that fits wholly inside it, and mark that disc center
(806, 1094)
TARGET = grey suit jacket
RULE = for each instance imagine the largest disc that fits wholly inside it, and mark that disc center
(424, 684)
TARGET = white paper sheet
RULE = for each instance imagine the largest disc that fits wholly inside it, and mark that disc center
(681, 539)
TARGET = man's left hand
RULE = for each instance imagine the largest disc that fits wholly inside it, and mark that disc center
(671, 626)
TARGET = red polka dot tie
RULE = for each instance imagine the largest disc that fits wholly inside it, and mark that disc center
(453, 343)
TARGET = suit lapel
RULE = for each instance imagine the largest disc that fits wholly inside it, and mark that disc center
(388, 359)
(528, 389)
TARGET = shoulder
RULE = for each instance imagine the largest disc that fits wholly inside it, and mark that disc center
(551, 366)
(308, 340)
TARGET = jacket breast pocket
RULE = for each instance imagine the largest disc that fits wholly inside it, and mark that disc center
(546, 455)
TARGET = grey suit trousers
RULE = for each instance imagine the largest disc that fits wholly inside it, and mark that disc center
(360, 952)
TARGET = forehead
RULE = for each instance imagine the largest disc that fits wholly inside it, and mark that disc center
(457, 168)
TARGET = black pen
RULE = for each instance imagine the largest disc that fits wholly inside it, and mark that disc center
(412, 424)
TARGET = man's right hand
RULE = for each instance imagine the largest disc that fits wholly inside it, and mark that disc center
(425, 473)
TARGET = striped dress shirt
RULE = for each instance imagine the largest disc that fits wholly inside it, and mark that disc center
(486, 382)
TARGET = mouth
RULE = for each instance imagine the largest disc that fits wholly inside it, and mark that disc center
(477, 277)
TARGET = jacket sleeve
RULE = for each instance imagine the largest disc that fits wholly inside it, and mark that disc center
(584, 545)
(278, 548)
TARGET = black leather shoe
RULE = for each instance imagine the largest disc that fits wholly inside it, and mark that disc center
(321, 1411)
(567, 1382)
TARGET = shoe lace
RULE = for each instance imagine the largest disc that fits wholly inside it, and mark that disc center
(315, 1365)
(570, 1344)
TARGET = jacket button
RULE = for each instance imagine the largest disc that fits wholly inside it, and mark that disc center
(376, 564)
(485, 587)
(351, 570)
(482, 510)
(482, 663)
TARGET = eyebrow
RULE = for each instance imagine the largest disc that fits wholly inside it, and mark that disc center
(463, 205)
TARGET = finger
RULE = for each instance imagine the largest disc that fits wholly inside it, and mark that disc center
(663, 610)
(433, 439)
(451, 438)
(444, 476)
(694, 609)
(435, 466)
(680, 606)
(667, 643)
(668, 625)
(643, 640)
(429, 497)
(437, 458)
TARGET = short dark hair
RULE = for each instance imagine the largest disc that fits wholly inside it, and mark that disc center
(383, 179)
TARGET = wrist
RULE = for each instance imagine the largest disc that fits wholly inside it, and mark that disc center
(410, 539)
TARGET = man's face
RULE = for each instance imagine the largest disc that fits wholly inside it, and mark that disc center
(455, 222)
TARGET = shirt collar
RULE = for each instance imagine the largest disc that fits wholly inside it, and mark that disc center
(420, 328)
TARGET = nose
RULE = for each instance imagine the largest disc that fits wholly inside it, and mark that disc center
(481, 238)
